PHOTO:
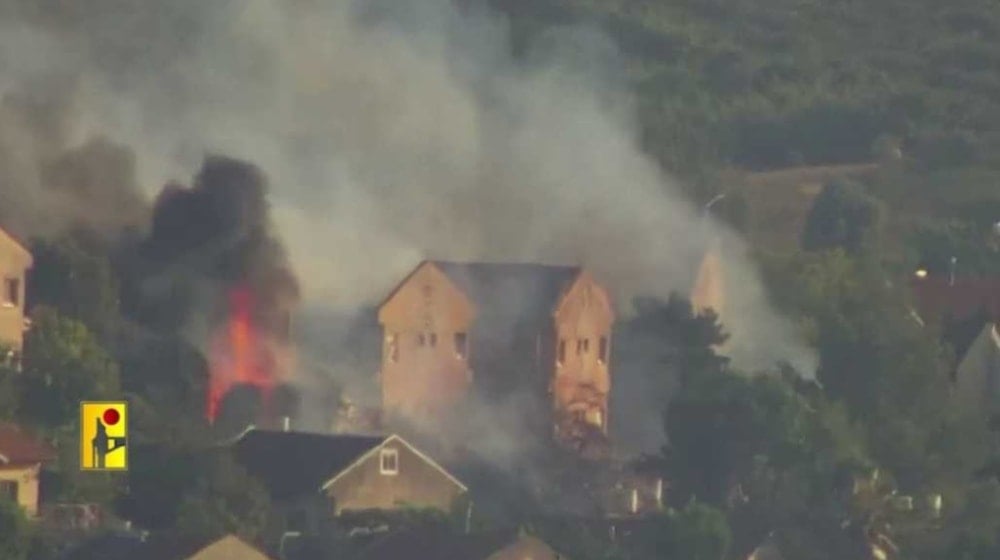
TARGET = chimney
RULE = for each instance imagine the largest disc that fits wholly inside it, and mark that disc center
(286, 423)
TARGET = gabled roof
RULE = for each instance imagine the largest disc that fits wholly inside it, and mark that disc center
(438, 544)
(292, 464)
(414, 450)
(6, 236)
(492, 287)
(18, 447)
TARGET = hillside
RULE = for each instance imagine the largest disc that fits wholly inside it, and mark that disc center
(760, 85)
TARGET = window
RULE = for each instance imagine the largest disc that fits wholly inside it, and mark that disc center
(562, 351)
(393, 347)
(433, 338)
(602, 350)
(8, 489)
(460, 349)
(634, 505)
(11, 291)
(421, 339)
(389, 462)
(586, 345)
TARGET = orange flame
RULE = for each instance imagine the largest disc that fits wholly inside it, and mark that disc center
(237, 356)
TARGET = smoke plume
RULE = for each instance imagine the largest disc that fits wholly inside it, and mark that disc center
(392, 131)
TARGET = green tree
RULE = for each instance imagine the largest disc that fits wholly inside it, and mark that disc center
(843, 216)
(15, 531)
(63, 365)
(696, 532)
(76, 278)
(224, 499)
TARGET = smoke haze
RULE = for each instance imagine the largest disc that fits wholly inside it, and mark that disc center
(389, 133)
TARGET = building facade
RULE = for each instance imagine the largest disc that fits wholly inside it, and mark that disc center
(15, 262)
(454, 330)
(22, 457)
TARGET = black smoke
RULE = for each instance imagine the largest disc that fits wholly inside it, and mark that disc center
(205, 241)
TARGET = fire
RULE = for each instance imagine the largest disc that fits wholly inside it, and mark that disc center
(239, 355)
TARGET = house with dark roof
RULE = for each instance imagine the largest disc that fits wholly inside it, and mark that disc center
(312, 478)
(451, 330)
(22, 456)
(441, 544)
(15, 261)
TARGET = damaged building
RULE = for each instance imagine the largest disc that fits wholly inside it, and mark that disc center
(455, 332)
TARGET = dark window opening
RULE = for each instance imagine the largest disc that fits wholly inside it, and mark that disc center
(562, 351)
(433, 338)
(602, 350)
(421, 340)
(586, 345)
(8, 489)
(11, 291)
(460, 348)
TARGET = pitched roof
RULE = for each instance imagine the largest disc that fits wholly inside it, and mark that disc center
(19, 447)
(423, 543)
(291, 464)
(492, 287)
(4, 234)
(937, 297)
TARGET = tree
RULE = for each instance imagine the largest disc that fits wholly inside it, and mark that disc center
(843, 216)
(15, 532)
(76, 278)
(224, 499)
(697, 532)
(63, 365)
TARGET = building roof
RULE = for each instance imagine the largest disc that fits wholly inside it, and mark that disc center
(438, 544)
(18, 447)
(938, 298)
(492, 287)
(224, 548)
(5, 235)
(292, 464)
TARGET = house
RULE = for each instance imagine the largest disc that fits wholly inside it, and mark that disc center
(977, 379)
(22, 456)
(15, 261)
(314, 477)
(440, 544)
(128, 547)
(452, 330)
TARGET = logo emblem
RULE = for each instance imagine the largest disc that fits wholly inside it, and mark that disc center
(103, 436)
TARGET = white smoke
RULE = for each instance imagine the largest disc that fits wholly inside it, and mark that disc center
(391, 132)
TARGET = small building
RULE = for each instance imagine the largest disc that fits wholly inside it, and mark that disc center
(440, 544)
(22, 456)
(15, 262)
(451, 330)
(129, 547)
(316, 477)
